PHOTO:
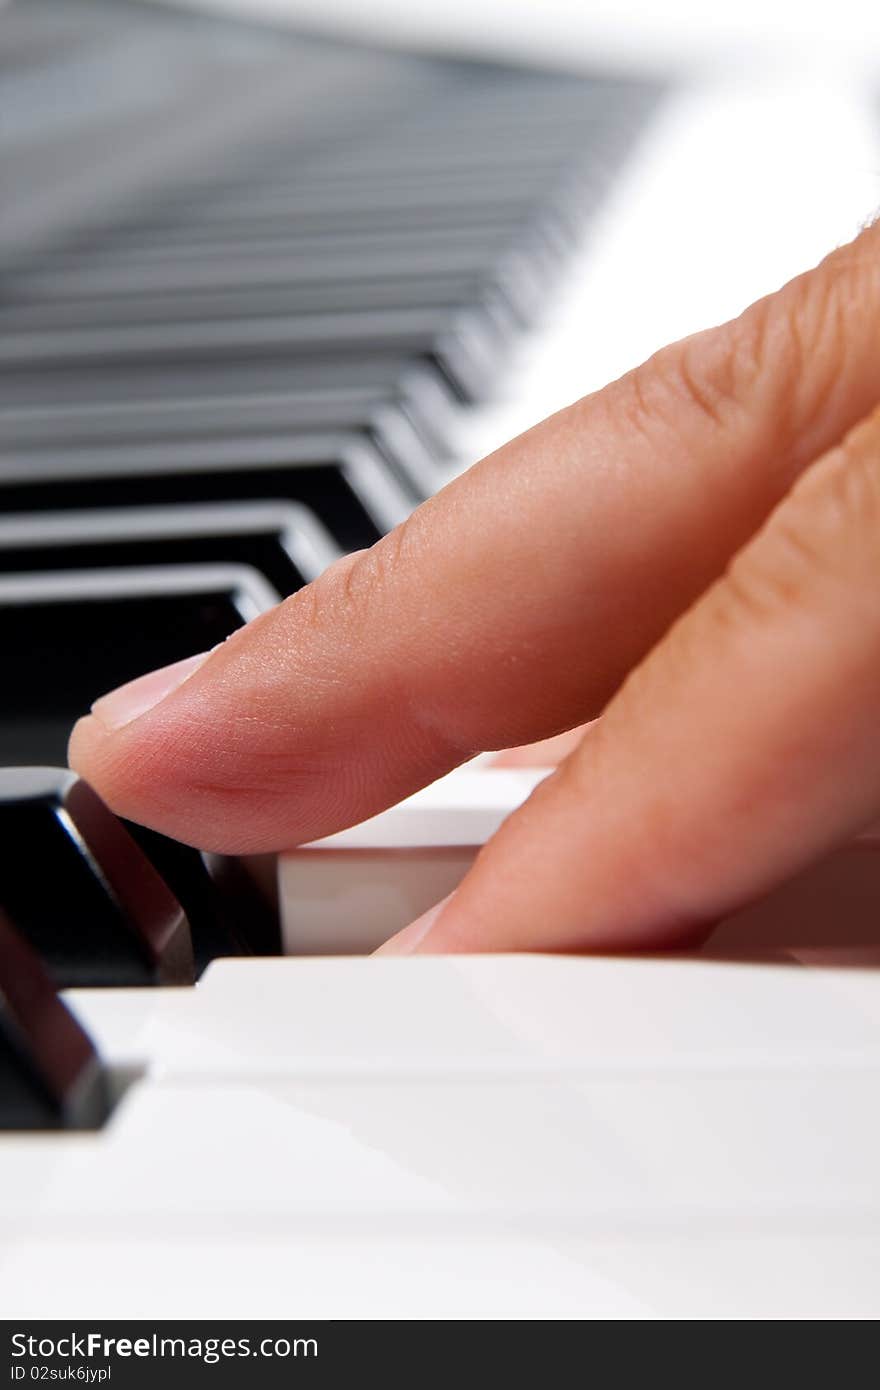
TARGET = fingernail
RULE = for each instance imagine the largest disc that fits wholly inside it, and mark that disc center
(129, 701)
(407, 941)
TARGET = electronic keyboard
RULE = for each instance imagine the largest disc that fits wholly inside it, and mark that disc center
(262, 292)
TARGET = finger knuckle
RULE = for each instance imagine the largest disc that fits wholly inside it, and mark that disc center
(350, 590)
(778, 364)
(374, 572)
(708, 378)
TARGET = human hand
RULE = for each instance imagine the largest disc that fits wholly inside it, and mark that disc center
(692, 553)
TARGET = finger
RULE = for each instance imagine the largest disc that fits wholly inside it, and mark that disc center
(744, 746)
(510, 606)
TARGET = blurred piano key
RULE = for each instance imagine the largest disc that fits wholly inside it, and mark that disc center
(386, 389)
(348, 893)
(391, 426)
(50, 1074)
(228, 915)
(463, 343)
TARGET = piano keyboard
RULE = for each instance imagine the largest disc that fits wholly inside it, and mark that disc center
(258, 291)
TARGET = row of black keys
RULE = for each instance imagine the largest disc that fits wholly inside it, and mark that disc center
(87, 900)
(176, 390)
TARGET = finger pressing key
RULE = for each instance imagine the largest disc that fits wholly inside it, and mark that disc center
(744, 746)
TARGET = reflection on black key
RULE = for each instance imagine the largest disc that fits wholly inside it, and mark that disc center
(50, 1074)
(75, 884)
(341, 480)
(285, 543)
(68, 638)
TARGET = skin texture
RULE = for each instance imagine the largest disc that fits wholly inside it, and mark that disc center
(692, 553)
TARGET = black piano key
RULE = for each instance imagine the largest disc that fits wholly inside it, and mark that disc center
(347, 486)
(462, 343)
(75, 884)
(213, 932)
(247, 425)
(227, 918)
(284, 543)
(50, 1075)
(71, 636)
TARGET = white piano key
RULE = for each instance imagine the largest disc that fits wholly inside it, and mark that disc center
(798, 1275)
(662, 1196)
(794, 1275)
(492, 1017)
(772, 128)
(348, 903)
(740, 1275)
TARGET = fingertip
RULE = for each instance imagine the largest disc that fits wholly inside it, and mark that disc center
(85, 735)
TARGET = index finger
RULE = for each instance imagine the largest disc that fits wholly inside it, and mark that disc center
(510, 606)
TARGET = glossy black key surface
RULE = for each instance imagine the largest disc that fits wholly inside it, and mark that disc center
(226, 914)
(462, 343)
(70, 637)
(240, 422)
(75, 884)
(50, 1074)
